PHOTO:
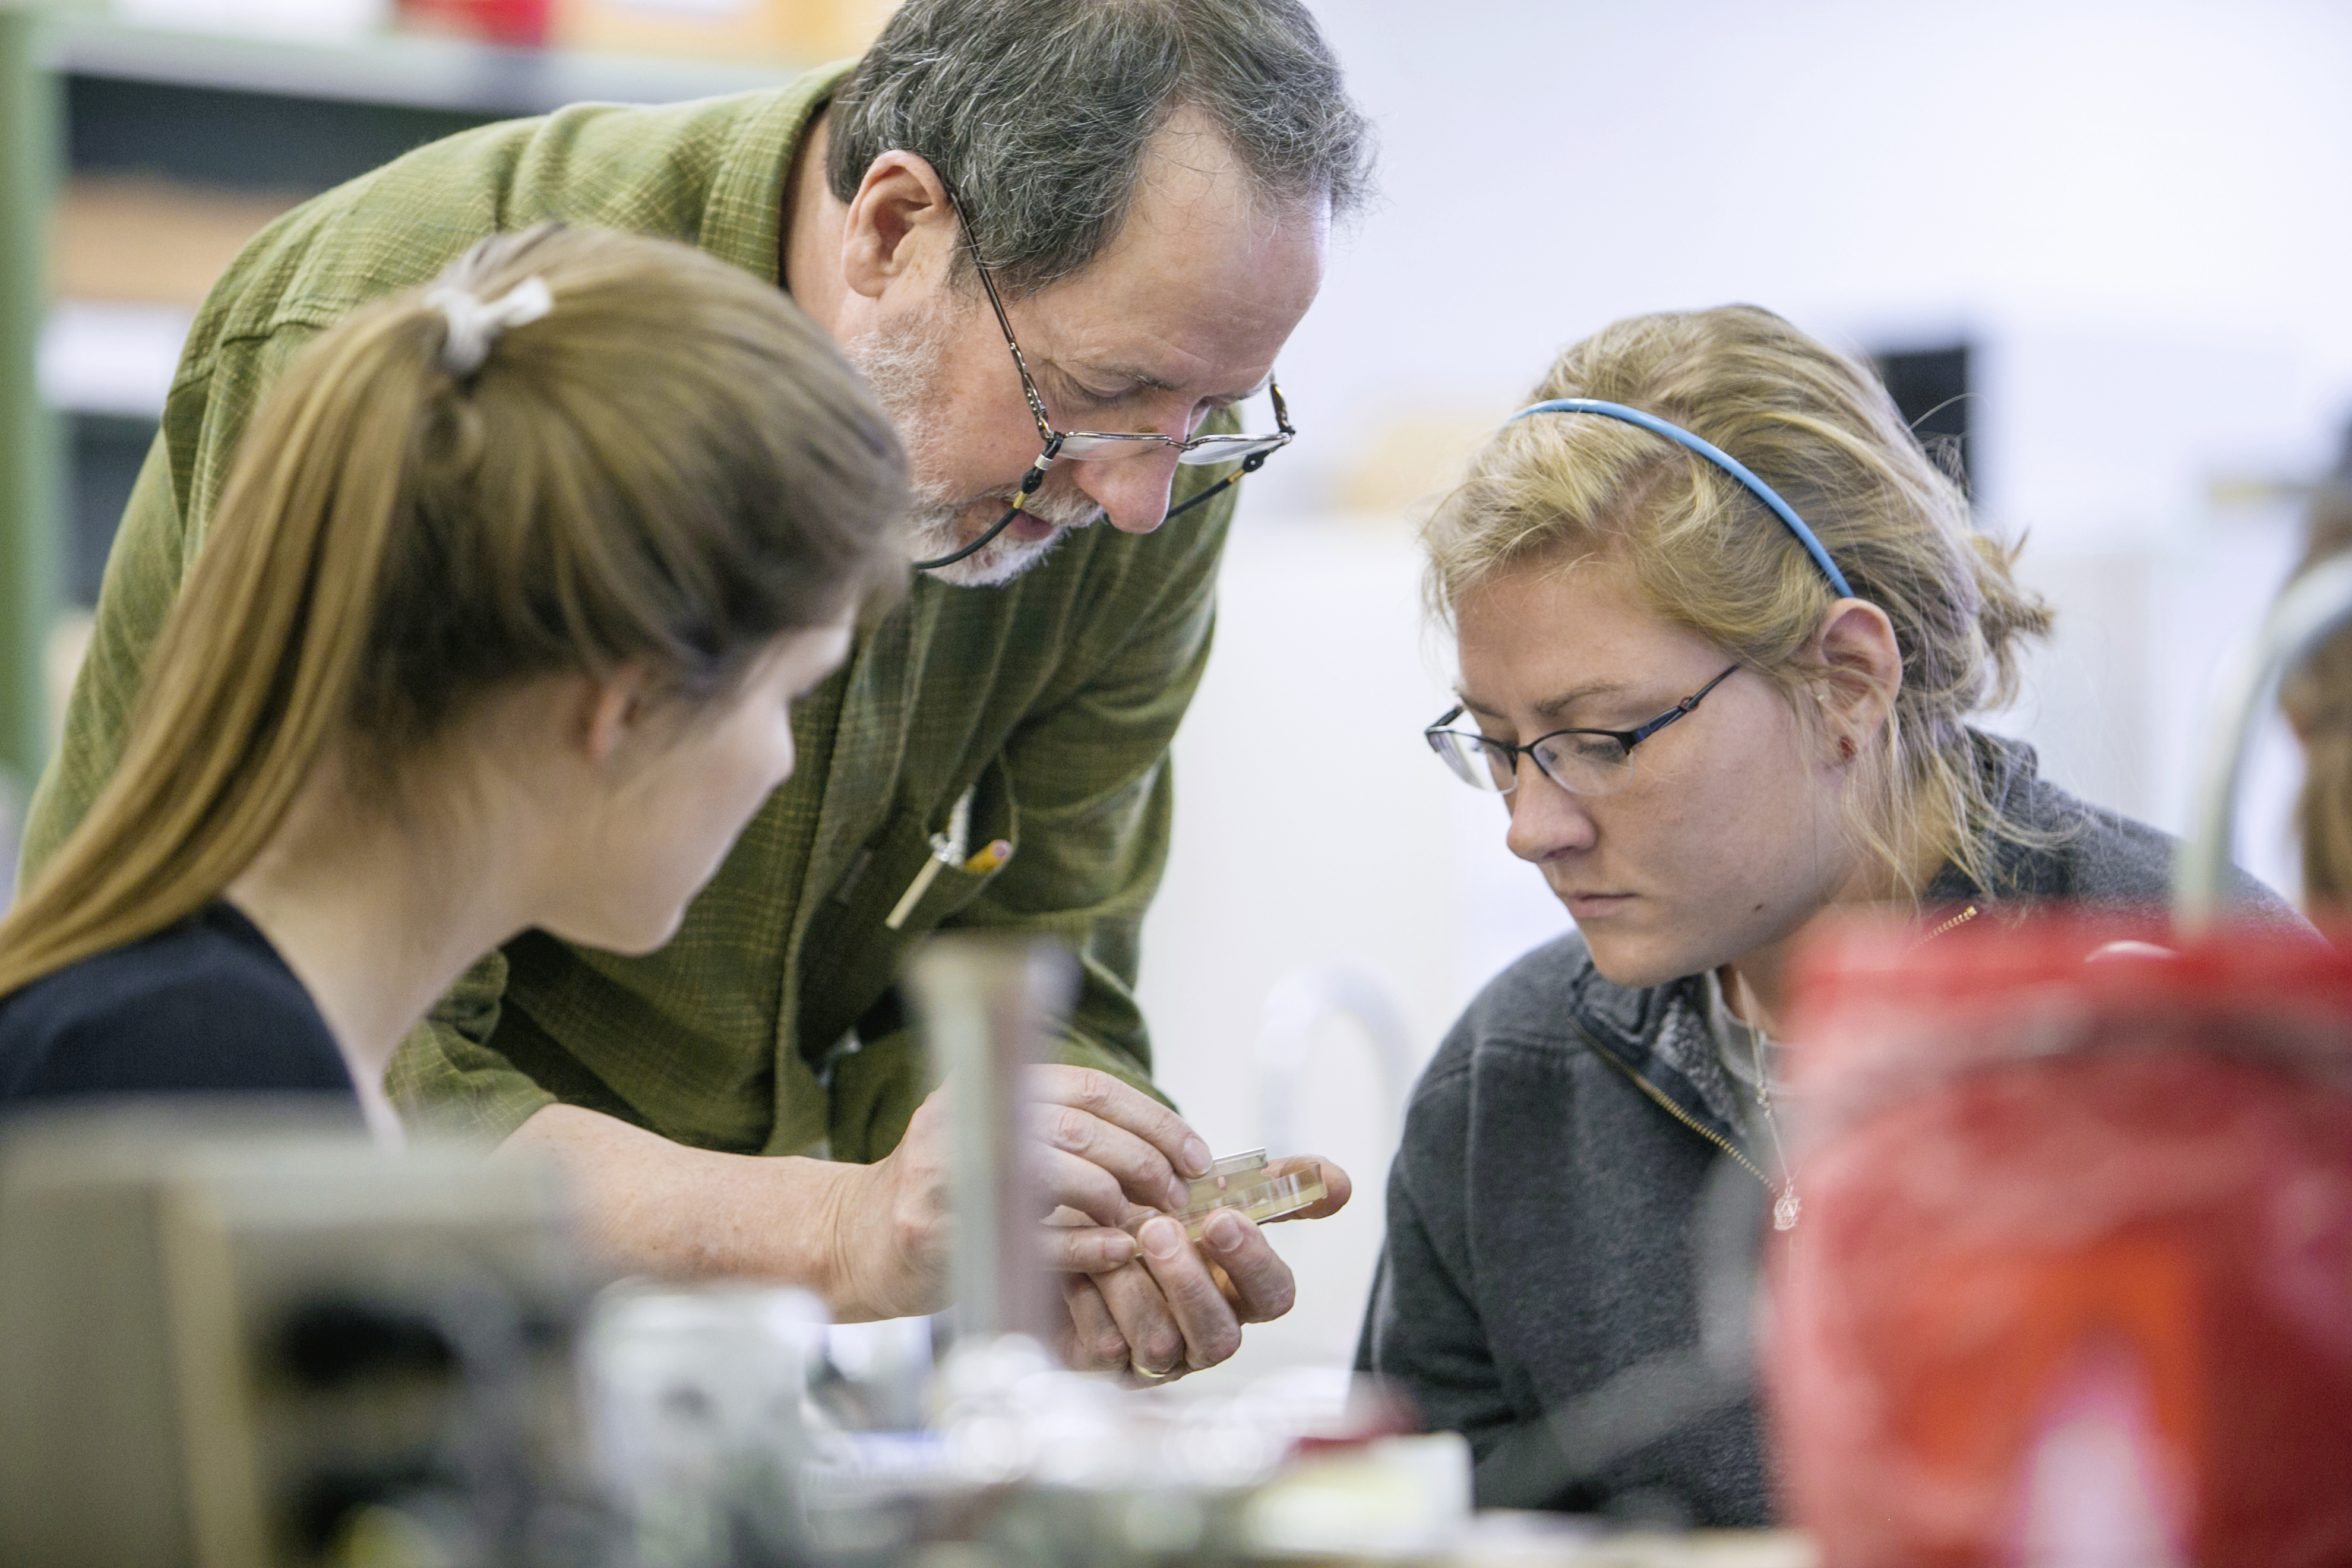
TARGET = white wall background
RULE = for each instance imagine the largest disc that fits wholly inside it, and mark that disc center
(2138, 213)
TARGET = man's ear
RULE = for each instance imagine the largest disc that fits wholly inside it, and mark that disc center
(900, 225)
(1863, 665)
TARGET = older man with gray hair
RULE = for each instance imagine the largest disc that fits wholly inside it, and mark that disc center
(1066, 240)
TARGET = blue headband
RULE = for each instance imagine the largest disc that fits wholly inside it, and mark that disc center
(1713, 454)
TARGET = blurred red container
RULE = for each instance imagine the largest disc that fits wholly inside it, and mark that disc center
(517, 24)
(2073, 1280)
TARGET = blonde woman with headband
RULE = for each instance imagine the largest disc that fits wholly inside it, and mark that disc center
(499, 627)
(1722, 628)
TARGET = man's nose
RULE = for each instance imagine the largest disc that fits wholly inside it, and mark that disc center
(1545, 819)
(1132, 490)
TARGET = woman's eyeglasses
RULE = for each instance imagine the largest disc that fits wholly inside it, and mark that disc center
(1581, 761)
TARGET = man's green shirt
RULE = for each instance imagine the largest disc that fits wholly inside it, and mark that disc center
(767, 1025)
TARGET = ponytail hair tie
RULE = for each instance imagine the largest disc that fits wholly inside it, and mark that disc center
(476, 326)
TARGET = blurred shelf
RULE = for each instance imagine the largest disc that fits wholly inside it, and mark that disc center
(141, 240)
(109, 358)
(183, 144)
(396, 70)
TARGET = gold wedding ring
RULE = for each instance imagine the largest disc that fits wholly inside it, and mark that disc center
(1147, 1376)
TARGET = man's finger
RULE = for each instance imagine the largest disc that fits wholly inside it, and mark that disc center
(1141, 1170)
(1210, 1327)
(1099, 1094)
(1081, 1185)
(1263, 1286)
(1156, 1343)
(1085, 1248)
(1094, 1342)
(1337, 1186)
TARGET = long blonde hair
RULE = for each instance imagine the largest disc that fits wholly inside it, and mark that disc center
(669, 470)
(1707, 556)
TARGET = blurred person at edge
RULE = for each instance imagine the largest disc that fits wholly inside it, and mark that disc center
(1705, 747)
(1150, 185)
(371, 753)
(2318, 702)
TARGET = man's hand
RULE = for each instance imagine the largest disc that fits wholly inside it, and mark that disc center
(1099, 1150)
(875, 1241)
(1180, 1307)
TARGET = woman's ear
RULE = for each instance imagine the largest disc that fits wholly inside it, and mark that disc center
(607, 713)
(1862, 664)
(900, 223)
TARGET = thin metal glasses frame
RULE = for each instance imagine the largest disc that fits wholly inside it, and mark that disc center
(1437, 735)
(1251, 451)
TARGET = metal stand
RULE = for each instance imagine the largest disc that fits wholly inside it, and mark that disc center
(2313, 609)
(987, 1003)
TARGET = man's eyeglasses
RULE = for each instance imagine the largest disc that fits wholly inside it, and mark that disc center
(1097, 446)
(1581, 761)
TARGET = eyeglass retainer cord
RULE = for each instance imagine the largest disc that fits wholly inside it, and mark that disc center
(1713, 454)
(1036, 477)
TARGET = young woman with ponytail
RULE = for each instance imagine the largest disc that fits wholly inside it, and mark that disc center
(1722, 628)
(499, 627)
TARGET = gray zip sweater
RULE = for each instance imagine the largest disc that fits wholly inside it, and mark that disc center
(1541, 1209)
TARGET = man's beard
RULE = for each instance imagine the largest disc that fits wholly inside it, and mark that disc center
(902, 364)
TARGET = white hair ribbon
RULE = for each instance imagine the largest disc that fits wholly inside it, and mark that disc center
(475, 326)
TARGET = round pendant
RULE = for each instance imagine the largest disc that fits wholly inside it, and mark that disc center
(1785, 1209)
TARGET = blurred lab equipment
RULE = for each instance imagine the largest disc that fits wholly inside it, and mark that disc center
(234, 1337)
(2075, 1274)
(1031, 1463)
(699, 1432)
(2073, 1284)
(1020, 1461)
(987, 1006)
(230, 1337)
(2312, 609)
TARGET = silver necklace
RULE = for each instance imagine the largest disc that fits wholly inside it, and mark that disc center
(1788, 1206)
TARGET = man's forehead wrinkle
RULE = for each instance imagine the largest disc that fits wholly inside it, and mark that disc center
(1178, 304)
(1110, 346)
(1175, 341)
(1136, 377)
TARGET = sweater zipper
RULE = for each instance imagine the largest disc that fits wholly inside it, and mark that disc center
(1679, 1114)
(1958, 920)
(1712, 1136)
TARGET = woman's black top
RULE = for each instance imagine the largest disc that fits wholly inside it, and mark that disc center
(204, 1006)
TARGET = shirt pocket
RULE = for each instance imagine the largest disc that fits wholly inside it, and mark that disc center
(851, 956)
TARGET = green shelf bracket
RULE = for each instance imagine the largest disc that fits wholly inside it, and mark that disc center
(30, 521)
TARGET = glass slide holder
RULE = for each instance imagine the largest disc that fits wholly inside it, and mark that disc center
(1239, 1181)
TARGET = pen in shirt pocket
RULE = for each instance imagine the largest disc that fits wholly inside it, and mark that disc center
(947, 849)
(943, 854)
